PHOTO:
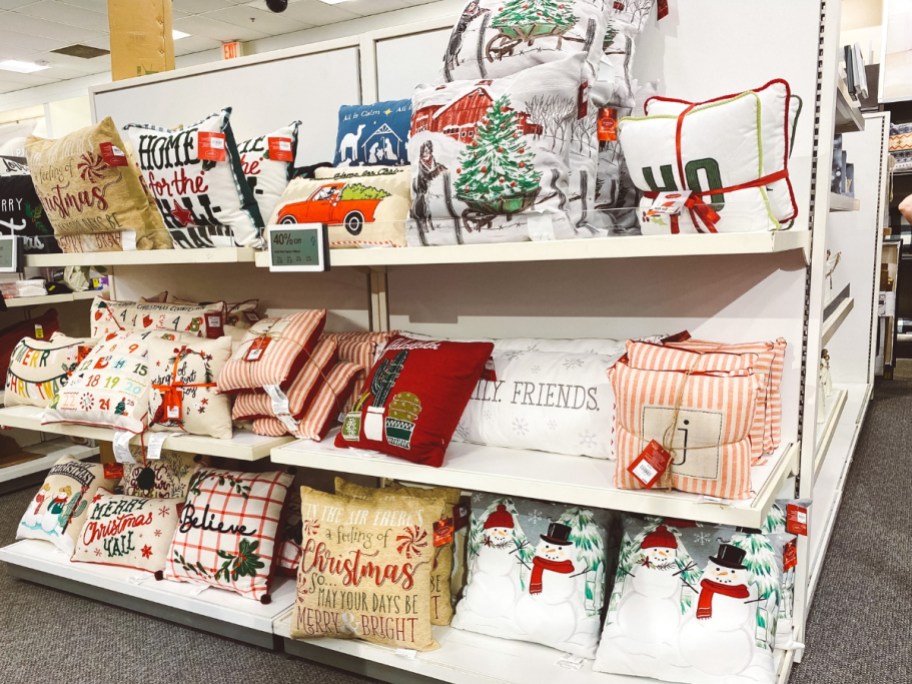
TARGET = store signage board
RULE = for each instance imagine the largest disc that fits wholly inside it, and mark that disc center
(298, 247)
(10, 254)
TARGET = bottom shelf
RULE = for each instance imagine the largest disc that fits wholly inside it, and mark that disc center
(214, 610)
(463, 657)
(49, 453)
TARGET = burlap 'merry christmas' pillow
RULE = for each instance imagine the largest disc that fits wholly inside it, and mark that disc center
(536, 573)
(373, 581)
(92, 193)
(487, 155)
(692, 603)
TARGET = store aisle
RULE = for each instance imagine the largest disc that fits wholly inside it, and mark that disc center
(860, 627)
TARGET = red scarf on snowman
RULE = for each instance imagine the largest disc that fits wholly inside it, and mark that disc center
(539, 565)
(709, 589)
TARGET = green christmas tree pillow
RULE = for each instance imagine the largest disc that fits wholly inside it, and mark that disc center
(692, 603)
(536, 573)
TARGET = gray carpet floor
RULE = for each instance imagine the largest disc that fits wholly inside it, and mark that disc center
(860, 627)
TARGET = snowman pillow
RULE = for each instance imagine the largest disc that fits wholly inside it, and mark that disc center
(692, 603)
(536, 573)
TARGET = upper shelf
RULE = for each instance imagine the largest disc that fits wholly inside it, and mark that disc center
(244, 446)
(848, 113)
(575, 480)
(44, 300)
(145, 257)
(843, 202)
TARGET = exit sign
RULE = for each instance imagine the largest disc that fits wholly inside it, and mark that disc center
(298, 247)
(232, 50)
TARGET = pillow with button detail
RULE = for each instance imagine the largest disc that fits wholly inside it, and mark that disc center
(165, 478)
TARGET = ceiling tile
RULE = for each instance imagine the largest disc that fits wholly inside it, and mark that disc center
(319, 13)
(100, 6)
(258, 20)
(13, 4)
(63, 34)
(219, 30)
(66, 14)
(14, 39)
(367, 7)
(186, 46)
(200, 6)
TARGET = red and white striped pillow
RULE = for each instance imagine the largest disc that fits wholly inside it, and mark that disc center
(361, 348)
(291, 340)
(704, 418)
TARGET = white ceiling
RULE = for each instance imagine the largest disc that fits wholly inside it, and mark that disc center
(30, 29)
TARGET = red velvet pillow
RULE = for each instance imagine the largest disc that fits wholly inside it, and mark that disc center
(414, 397)
(12, 335)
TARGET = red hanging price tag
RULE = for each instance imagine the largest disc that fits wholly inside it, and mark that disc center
(113, 471)
(215, 326)
(280, 149)
(663, 10)
(443, 532)
(607, 124)
(489, 373)
(650, 465)
(211, 146)
(796, 519)
(112, 154)
(173, 404)
(257, 349)
(790, 555)
(582, 103)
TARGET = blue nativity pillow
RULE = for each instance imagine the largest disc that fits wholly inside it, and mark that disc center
(375, 134)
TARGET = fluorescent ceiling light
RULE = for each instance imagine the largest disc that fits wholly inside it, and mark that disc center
(177, 35)
(22, 67)
(333, 2)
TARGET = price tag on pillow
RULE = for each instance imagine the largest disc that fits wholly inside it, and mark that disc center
(443, 532)
(173, 404)
(39, 331)
(257, 349)
(155, 441)
(113, 471)
(582, 101)
(280, 405)
(211, 146)
(663, 10)
(121, 445)
(460, 517)
(671, 203)
(650, 465)
(607, 124)
(790, 555)
(215, 327)
(112, 154)
(280, 149)
(796, 518)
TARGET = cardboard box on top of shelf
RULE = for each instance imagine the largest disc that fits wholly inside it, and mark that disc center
(141, 38)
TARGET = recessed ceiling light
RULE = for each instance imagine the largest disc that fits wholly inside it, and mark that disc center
(22, 67)
(177, 35)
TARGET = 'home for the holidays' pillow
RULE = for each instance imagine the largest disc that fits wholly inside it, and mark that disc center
(184, 395)
(165, 478)
(536, 573)
(547, 401)
(372, 581)
(361, 207)
(56, 512)
(487, 155)
(414, 397)
(497, 38)
(91, 193)
(39, 368)
(692, 604)
(227, 532)
(196, 177)
(109, 388)
(21, 213)
(702, 420)
(374, 135)
(130, 531)
(267, 162)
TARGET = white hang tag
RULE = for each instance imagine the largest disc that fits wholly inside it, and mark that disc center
(406, 653)
(280, 404)
(128, 240)
(540, 227)
(121, 446)
(570, 662)
(670, 203)
(156, 440)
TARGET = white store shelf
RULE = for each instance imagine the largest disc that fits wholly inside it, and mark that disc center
(463, 658)
(244, 446)
(54, 299)
(553, 477)
(834, 320)
(843, 202)
(829, 483)
(215, 604)
(567, 250)
(849, 118)
(148, 257)
(834, 407)
(52, 450)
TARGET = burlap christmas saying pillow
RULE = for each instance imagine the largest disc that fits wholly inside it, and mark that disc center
(365, 569)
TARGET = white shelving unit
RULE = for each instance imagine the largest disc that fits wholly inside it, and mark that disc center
(837, 318)
(844, 202)
(51, 451)
(834, 407)
(24, 302)
(152, 257)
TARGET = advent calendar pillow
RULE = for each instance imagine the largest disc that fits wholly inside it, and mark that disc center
(486, 154)
(361, 349)
(202, 320)
(109, 388)
(704, 419)
(21, 213)
(129, 531)
(92, 194)
(107, 316)
(441, 602)
(227, 532)
(165, 478)
(536, 573)
(692, 604)
(57, 511)
(185, 397)
(39, 368)
(196, 177)
(361, 207)
(389, 541)
(547, 401)
(267, 162)
(415, 395)
(273, 351)
(375, 134)
(497, 38)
